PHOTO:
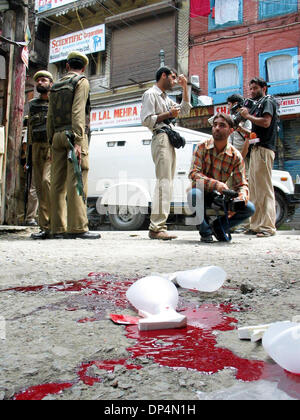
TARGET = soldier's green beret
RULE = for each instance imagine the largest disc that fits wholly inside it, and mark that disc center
(78, 56)
(43, 73)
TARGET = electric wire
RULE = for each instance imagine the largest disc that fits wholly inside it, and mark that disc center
(198, 18)
(83, 30)
(131, 22)
(128, 24)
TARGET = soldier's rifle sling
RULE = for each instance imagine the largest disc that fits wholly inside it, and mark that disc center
(77, 168)
(28, 179)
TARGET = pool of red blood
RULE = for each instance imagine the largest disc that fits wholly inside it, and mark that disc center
(193, 347)
(39, 392)
(108, 365)
(105, 285)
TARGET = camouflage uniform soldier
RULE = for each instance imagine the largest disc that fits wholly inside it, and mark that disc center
(67, 119)
(37, 139)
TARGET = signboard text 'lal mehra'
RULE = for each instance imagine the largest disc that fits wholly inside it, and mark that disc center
(117, 116)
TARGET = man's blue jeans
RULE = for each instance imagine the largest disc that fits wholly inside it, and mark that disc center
(195, 199)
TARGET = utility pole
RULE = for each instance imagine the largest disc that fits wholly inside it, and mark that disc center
(8, 31)
(16, 111)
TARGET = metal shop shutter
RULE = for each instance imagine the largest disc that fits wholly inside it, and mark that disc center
(135, 49)
(2, 148)
(291, 139)
(291, 145)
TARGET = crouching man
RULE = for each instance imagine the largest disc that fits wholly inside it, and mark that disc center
(213, 162)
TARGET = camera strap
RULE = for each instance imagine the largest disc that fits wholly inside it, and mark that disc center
(222, 230)
(174, 138)
(243, 137)
(226, 227)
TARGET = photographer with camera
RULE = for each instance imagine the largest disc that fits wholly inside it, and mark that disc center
(158, 112)
(239, 138)
(263, 116)
(213, 162)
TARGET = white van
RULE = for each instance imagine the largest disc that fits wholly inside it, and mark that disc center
(122, 178)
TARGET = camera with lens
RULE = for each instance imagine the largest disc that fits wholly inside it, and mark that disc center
(236, 116)
(228, 200)
(236, 205)
(231, 202)
(225, 201)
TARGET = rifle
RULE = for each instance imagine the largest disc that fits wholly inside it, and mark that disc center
(77, 168)
(28, 169)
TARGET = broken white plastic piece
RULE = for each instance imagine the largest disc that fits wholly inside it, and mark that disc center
(167, 319)
(253, 333)
(282, 343)
(203, 279)
(156, 299)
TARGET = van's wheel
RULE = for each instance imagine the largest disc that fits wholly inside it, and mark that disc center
(281, 209)
(127, 218)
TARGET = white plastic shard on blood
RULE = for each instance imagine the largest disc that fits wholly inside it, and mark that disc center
(203, 279)
(282, 342)
(156, 299)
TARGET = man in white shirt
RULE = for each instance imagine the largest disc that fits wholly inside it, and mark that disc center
(157, 111)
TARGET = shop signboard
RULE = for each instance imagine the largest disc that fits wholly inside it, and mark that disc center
(289, 105)
(116, 116)
(87, 41)
(45, 5)
(224, 109)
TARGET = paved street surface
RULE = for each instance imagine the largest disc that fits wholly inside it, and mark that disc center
(57, 340)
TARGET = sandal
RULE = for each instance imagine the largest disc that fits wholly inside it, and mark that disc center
(263, 234)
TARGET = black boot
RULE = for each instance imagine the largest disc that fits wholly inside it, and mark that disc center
(208, 239)
(58, 236)
(84, 235)
(43, 234)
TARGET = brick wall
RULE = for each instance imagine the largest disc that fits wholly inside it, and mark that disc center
(247, 40)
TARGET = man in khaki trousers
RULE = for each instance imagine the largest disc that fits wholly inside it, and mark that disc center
(32, 200)
(157, 111)
(69, 112)
(37, 140)
(264, 124)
